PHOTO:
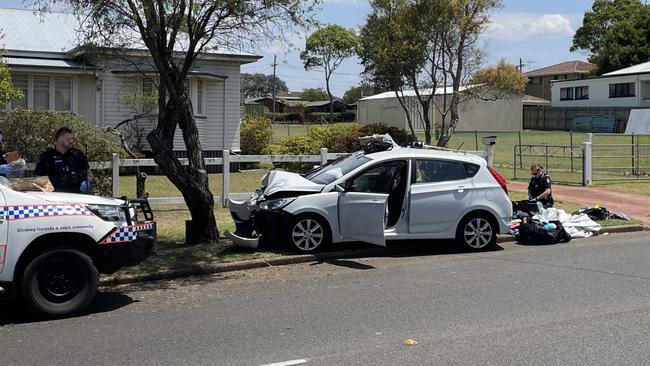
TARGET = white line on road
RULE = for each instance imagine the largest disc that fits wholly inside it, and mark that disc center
(288, 363)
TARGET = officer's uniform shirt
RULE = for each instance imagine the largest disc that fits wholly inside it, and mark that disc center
(538, 185)
(66, 171)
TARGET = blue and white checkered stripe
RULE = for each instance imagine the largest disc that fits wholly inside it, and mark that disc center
(37, 211)
(126, 233)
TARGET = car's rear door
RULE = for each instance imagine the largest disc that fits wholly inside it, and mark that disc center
(440, 192)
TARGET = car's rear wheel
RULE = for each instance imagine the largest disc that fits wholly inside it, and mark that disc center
(59, 282)
(308, 234)
(477, 232)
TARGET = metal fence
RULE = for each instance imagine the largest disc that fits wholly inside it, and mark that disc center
(562, 118)
(620, 156)
(564, 163)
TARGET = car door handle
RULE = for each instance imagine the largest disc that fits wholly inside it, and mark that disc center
(461, 189)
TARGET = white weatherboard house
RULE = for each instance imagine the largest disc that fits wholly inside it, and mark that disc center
(53, 73)
(629, 87)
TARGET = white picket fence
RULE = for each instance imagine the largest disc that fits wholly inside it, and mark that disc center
(116, 163)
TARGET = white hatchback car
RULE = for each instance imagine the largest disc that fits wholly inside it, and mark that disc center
(398, 194)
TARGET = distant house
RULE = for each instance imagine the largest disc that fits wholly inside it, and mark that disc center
(500, 115)
(323, 106)
(53, 73)
(539, 81)
(629, 87)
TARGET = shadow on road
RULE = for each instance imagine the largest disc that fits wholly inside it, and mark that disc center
(345, 263)
(15, 312)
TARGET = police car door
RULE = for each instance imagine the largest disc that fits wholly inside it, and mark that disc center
(3, 228)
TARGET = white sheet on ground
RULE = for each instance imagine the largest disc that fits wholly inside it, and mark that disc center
(577, 226)
(638, 122)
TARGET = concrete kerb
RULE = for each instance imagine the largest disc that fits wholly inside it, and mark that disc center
(296, 259)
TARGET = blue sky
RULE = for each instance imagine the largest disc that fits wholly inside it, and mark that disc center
(538, 32)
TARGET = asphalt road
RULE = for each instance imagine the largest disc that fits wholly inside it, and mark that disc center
(582, 303)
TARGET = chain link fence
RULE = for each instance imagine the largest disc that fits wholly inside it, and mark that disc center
(620, 156)
(562, 162)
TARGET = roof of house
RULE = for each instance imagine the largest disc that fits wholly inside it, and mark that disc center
(569, 67)
(57, 32)
(321, 103)
(636, 69)
(411, 93)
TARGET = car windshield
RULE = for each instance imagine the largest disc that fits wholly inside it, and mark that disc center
(338, 168)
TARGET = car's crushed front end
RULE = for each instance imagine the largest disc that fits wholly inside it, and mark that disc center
(261, 218)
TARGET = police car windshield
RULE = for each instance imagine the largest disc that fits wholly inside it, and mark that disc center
(338, 168)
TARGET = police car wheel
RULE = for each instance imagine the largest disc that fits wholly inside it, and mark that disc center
(60, 282)
(477, 232)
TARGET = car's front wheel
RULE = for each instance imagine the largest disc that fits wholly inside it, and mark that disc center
(59, 282)
(477, 232)
(308, 234)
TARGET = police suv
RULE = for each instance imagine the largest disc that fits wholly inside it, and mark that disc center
(54, 245)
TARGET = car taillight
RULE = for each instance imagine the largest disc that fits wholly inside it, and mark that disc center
(499, 178)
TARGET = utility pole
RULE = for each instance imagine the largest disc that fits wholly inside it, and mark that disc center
(521, 65)
(273, 83)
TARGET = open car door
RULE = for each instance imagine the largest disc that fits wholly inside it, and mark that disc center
(362, 215)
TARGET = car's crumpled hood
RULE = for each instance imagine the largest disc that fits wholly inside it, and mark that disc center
(279, 181)
(59, 197)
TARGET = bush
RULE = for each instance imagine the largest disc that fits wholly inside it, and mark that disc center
(297, 145)
(330, 136)
(255, 135)
(349, 116)
(316, 116)
(293, 117)
(31, 133)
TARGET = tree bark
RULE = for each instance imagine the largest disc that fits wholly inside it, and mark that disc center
(329, 94)
(191, 180)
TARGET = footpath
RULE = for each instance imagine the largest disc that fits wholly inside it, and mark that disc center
(633, 205)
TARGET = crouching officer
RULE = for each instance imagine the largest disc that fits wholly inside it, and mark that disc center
(539, 188)
(66, 166)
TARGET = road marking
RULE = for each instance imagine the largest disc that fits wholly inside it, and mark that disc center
(288, 363)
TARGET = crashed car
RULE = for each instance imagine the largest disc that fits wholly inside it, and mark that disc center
(54, 245)
(396, 194)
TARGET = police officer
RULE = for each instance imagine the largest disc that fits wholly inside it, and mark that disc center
(5, 168)
(539, 188)
(66, 166)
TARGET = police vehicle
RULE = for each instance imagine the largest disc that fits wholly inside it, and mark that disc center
(54, 245)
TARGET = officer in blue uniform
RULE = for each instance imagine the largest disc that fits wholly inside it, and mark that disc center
(5, 169)
(539, 188)
(66, 166)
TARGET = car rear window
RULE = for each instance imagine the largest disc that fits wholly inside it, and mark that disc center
(471, 169)
(431, 171)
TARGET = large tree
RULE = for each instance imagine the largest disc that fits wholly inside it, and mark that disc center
(260, 85)
(325, 49)
(616, 33)
(430, 48)
(314, 94)
(7, 91)
(174, 33)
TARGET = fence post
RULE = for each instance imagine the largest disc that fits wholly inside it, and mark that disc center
(521, 164)
(225, 189)
(633, 159)
(587, 163)
(571, 149)
(476, 138)
(115, 167)
(323, 156)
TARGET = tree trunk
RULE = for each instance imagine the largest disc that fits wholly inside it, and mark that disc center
(191, 180)
(448, 131)
(407, 112)
(329, 94)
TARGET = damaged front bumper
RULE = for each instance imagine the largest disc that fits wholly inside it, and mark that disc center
(255, 226)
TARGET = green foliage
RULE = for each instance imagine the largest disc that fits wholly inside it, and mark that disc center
(357, 92)
(615, 33)
(255, 135)
(315, 117)
(297, 145)
(260, 85)
(326, 136)
(500, 80)
(314, 94)
(293, 117)
(31, 133)
(328, 47)
(7, 91)
(400, 136)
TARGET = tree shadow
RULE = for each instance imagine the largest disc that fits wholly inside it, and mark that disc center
(15, 312)
(345, 263)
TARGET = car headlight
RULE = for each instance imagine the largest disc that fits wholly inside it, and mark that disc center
(276, 204)
(108, 212)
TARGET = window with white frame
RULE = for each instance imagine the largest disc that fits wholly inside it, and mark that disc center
(43, 92)
(148, 87)
(195, 89)
(200, 98)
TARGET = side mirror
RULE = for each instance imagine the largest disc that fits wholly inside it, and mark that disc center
(339, 189)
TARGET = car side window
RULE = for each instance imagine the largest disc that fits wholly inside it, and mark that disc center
(431, 171)
(377, 179)
(471, 169)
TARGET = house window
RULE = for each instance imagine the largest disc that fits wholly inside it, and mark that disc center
(63, 93)
(21, 83)
(566, 93)
(622, 90)
(582, 92)
(41, 87)
(199, 97)
(147, 86)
